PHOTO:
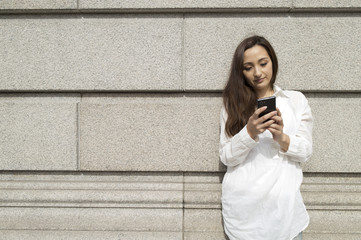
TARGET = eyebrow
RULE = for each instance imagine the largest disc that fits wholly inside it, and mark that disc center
(264, 58)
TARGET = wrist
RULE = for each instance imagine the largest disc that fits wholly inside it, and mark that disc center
(284, 142)
(250, 133)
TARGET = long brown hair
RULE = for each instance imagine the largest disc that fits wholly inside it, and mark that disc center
(239, 97)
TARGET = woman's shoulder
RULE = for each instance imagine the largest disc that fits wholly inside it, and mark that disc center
(297, 99)
(294, 94)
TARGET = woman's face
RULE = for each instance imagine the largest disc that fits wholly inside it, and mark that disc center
(257, 67)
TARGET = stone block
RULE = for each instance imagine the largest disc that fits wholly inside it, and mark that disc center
(72, 205)
(150, 134)
(38, 135)
(334, 222)
(37, 4)
(158, 117)
(91, 52)
(203, 224)
(317, 52)
(205, 236)
(331, 191)
(336, 135)
(88, 235)
(91, 219)
(126, 5)
(203, 220)
(327, 4)
(238, 4)
(320, 236)
(334, 150)
(120, 190)
(184, 5)
(38, 98)
(202, 190)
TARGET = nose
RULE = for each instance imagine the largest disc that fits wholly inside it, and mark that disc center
(257, 72)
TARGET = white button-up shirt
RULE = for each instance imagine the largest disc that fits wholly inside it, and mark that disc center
(261, 197)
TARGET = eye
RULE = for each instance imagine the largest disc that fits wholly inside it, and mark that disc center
(264, 64)
(247, 68)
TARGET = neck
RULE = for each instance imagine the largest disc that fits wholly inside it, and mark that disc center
(265, 93)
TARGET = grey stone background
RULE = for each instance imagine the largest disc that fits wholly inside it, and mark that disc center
(109, 113)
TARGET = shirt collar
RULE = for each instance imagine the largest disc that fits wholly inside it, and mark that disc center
(280, 92)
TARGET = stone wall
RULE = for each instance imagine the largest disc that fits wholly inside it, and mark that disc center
(109, 113)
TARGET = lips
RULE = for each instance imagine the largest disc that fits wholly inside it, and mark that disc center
(258, 80)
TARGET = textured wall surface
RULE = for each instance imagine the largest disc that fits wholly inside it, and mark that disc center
(109, 113)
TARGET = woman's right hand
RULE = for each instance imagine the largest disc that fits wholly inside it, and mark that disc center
(258, 125)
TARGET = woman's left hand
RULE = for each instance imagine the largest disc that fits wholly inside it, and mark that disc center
(277, 131)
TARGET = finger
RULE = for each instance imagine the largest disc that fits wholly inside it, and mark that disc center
(275, 126)
(267, 124)
(277, 119)
(268, 116)
(278, 112)
(274, 131)
(259, 110)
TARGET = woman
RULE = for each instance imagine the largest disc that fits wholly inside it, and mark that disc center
(261, 197)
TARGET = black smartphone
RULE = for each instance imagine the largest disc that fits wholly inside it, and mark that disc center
(270, 102)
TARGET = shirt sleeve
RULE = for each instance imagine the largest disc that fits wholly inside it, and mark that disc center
(234, 150)
(300, 148)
